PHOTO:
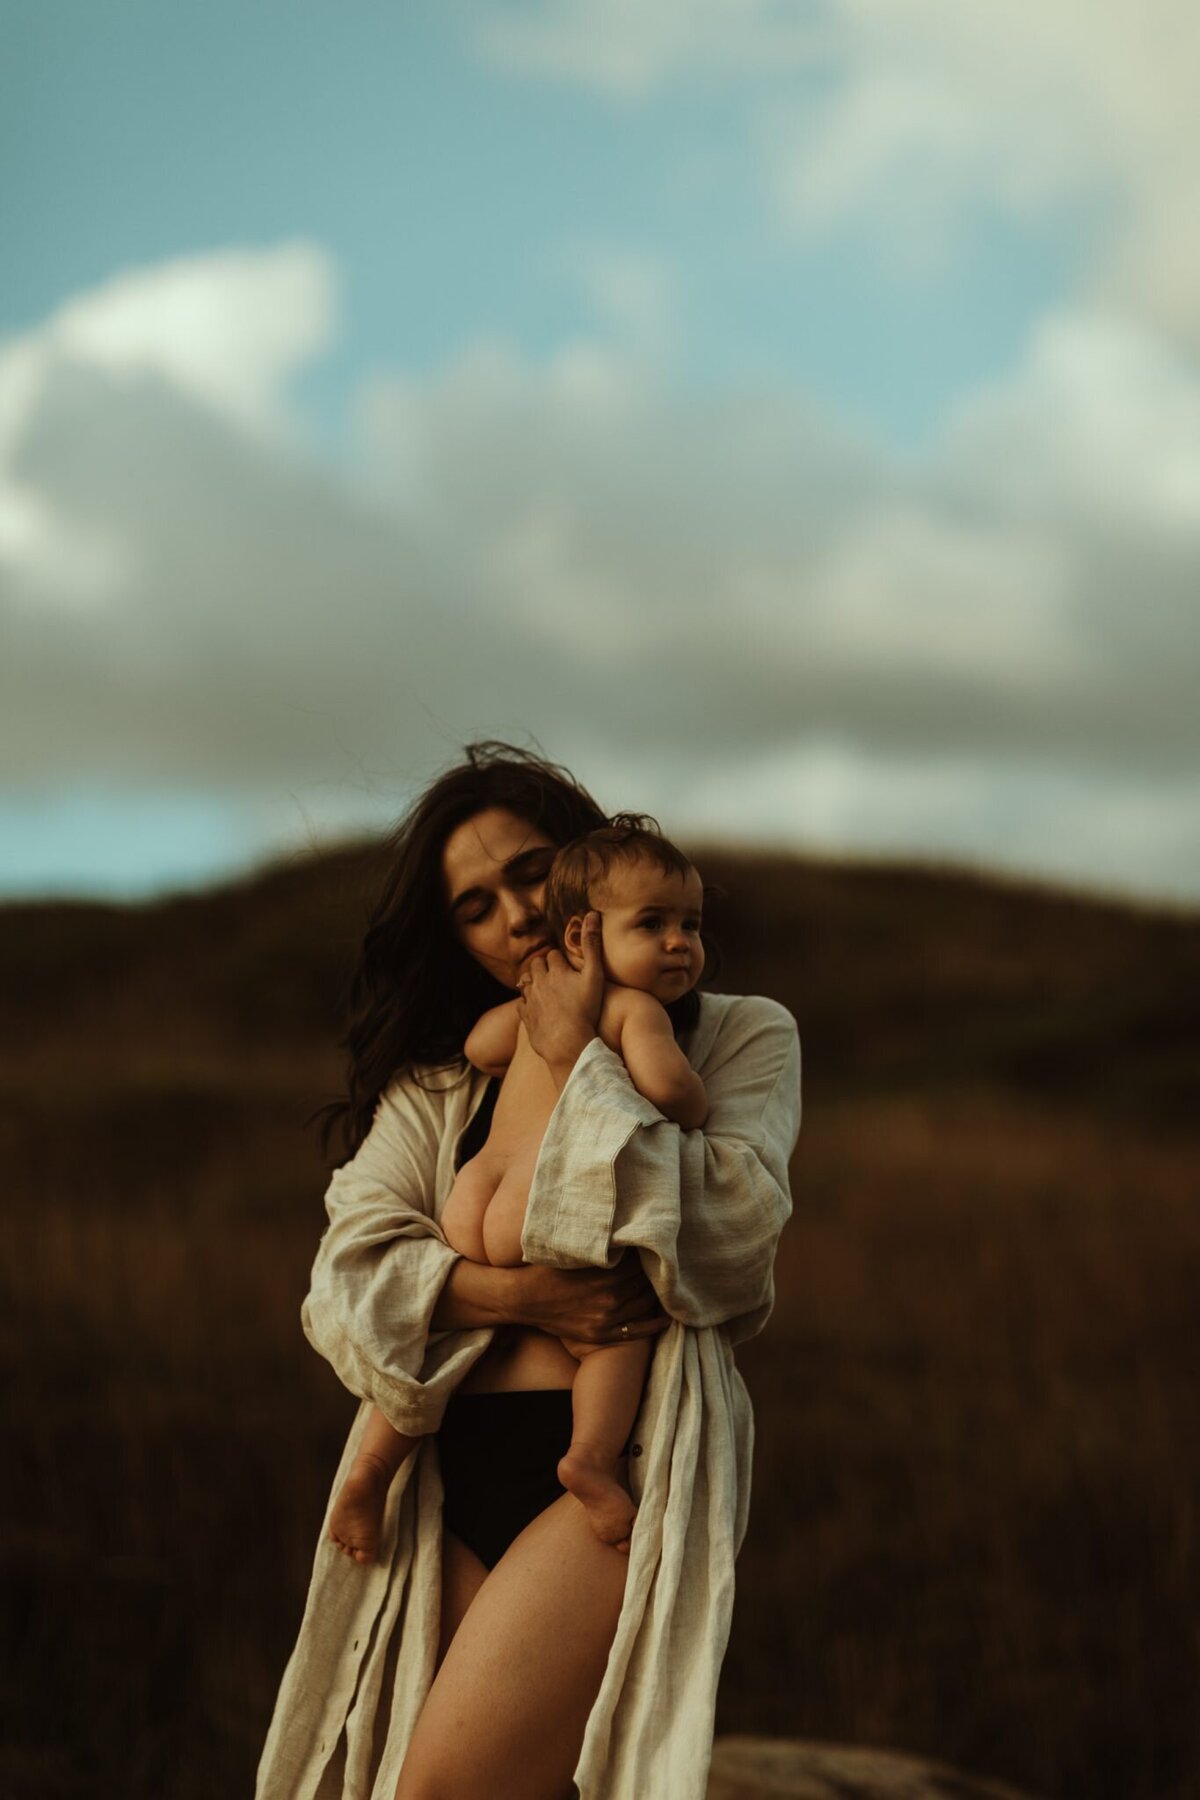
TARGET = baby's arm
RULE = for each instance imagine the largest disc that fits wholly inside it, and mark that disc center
(657, 1066)
(493, 1041)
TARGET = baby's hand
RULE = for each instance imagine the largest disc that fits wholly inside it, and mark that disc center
(560, 1006)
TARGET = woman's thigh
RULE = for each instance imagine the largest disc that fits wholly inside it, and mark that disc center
(462, 1577)
(505, 1717)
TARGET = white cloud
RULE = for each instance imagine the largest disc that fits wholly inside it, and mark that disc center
(626, 47)
(725, 606)
(917, 588)
(1101, 422)
(911, 117)
(937, 108)
(75, 564)
(1028, 819)
(227, 329)
(633, 292)
(224, 332)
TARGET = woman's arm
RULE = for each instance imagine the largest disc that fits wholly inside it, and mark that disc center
(704, 1209)
(382, 1264)
(601, 1306)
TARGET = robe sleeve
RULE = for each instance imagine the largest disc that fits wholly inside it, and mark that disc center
(703, 1208)
(382, 1264)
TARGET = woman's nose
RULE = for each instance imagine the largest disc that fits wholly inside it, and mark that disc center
(519, 908)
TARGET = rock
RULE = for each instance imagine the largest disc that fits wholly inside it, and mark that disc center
(745, 1768)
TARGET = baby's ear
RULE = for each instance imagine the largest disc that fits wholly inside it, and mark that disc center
(573, 940)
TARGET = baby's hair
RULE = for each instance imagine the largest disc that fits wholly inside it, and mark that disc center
(586, 860)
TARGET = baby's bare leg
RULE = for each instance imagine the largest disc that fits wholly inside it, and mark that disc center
(357, 1513)
(604, 1405)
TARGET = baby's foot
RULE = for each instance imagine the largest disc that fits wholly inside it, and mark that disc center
(593, 1480)
(357, 1513)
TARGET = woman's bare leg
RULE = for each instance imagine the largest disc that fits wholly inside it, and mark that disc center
(462, 1577)
(505, 1717)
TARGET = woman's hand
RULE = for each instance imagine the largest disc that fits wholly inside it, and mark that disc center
(599, 1306)
(560, 1006)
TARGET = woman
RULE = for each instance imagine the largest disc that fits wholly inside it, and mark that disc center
(428, 1676)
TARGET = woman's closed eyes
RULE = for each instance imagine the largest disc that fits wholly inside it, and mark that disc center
(526, 871)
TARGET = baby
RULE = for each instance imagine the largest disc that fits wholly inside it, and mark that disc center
(649, 897)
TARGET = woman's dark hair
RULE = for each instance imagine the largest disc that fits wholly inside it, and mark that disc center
(416, 993)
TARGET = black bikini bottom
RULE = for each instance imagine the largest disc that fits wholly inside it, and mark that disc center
(499, 1454)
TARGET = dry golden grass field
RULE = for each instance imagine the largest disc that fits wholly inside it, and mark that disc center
(974, 1531)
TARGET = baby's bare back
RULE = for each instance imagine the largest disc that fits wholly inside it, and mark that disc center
(485, 1211)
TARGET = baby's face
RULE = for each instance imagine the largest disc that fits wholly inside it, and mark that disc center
(650, 931)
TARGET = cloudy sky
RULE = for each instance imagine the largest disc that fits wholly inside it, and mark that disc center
(787, 412)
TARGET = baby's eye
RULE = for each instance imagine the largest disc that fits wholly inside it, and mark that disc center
(651, 924)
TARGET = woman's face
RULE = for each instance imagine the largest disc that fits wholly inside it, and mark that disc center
(494, 869)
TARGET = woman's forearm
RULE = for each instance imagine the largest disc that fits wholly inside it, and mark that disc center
(474, 1295)
(602, 1306)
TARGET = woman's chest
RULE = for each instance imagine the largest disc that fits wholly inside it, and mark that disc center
(526, 1099)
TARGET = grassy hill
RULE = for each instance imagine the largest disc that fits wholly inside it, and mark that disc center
(974, 1525)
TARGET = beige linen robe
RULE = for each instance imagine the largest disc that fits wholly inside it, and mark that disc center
(704, 1210)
